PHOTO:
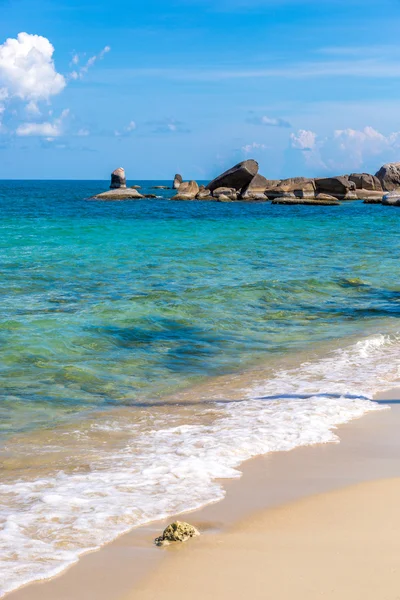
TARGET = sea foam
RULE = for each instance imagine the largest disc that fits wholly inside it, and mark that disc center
(167, 466)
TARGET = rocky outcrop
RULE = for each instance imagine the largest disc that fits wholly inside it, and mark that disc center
(204, 194)
(365, 181)
(335, 186)
(237, 177)
(188, 190)
(373, 196)
(231, 193)
(118, 179)
(177, 181)
(256, 188)
(300, 187)
(176, 532)
(160, 187)
(119, 194)
(389, 176)
(392, 198)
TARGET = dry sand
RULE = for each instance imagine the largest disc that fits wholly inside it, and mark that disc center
(340, 545)
(291, 527)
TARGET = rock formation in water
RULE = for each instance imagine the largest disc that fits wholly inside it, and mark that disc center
(237, 177)
(177, 532)
(119, 194)
(177, 181)
(389, 176)
(392, 198)
(188, 190)
(366, 181)
(118, 179)
(256, 188)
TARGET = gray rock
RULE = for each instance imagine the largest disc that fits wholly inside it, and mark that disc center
(231, 193)
(257, 186)
(204, 194)
(119, 194)
(392, 198)
(136, 187)
(326, 197)
(188, 190)
(224, 198)
(176, 532)
(335, 186)
(118, 179)
(177, 181)
(373, 196)
(389, 176)
(237, 177)
(299, 186)
(365, 181)
(160, 187)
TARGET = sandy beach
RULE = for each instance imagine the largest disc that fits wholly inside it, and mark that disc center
(319, 521)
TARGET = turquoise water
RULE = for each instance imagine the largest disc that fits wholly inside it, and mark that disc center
(109, 310)
(121, 303)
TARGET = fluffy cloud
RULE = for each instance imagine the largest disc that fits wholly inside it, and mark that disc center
(269, 122)
(47, 129)
(81, 72)
(27, 69)
(346, 149)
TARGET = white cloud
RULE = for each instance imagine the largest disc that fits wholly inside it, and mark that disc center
(347, 150)
(253, 146)
(46, 129)
(80, 73)
(27, 69)
(303, 140)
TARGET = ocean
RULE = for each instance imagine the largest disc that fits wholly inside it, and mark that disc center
(149, 347)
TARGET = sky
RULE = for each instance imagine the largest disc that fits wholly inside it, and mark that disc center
(305, 87)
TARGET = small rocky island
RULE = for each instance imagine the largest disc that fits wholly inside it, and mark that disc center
(244, 183)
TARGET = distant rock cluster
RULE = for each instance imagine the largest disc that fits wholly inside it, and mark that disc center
(243, 182)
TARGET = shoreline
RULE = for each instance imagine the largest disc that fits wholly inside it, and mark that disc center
(367, 451)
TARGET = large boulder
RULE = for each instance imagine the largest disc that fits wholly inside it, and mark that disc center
(372, 195)
(389, 176)
(188, 190)
(301, 187)
(365, 181)
(204, 194)
(118, 179)
(256, 188)
(335, 186)
(392, 198)
(177, 181)
(231, 193)
(119, 194)
(237, 177)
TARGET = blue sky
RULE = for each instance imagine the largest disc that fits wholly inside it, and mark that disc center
(304, 87)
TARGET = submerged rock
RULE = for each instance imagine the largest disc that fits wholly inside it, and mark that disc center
(119, 194)
(176, 532)
(118, 179)
(160, 187)
(306, 201)
(177, 181)
(237, 177)
(389, 176)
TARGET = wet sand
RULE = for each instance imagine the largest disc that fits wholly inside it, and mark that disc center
(279, 493)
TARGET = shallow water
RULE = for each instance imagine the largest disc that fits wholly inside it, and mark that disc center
(110, 310)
